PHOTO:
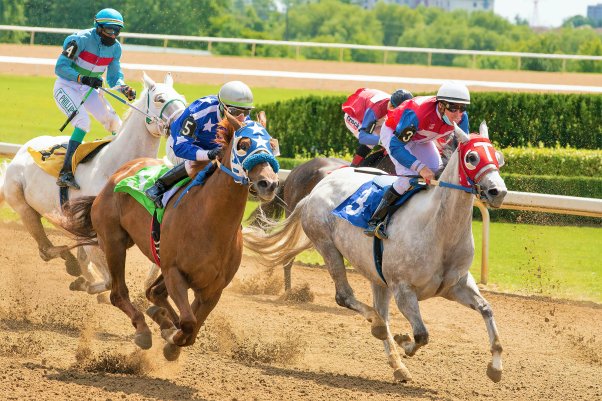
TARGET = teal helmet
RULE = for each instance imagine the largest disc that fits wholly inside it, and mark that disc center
(108, 16)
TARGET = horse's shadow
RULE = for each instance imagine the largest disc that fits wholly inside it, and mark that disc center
(348, 382)
(141, 385)
(311, 307)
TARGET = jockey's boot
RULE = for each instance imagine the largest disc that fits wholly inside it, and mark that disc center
(374, 224)
(165, 182)
(360, 153)
(66, 177)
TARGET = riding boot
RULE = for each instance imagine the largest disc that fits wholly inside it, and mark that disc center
(66, 177)
(375, 226)
(165, 182)
(361, 152)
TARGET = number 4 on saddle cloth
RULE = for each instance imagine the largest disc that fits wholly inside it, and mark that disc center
(359, 207)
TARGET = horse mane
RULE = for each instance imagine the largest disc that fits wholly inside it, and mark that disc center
(136, 103)
(225, 132)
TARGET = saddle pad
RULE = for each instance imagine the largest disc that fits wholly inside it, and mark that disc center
(53, 163)
(359, 207)
(138, 183)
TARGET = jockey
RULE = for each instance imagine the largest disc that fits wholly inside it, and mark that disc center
(86, 56)
(409, 135)
(193, 133)
(365, 111)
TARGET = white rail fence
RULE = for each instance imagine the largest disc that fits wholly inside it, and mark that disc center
(32, 30)
(514, 200)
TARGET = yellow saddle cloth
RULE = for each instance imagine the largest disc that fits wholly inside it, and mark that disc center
(51, 160)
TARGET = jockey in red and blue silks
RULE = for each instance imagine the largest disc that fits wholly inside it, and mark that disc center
(193, 133)
(85, 58)
(409, 135)
(365, 111)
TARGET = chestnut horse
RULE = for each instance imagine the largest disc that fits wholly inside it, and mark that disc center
(201, 239)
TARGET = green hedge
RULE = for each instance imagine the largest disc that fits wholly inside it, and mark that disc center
(313, 125)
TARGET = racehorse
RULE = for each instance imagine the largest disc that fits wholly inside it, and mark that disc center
(300, 182)
(31, 192)
(428, 253)
(201, 240)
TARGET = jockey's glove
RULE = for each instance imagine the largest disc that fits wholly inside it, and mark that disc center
(93, 82)
(128, 91)
(214, 153)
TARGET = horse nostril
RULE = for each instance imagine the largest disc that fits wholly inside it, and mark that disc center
(493, 192)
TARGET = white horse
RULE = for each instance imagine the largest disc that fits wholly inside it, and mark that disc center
(33, 193)
(428, 253)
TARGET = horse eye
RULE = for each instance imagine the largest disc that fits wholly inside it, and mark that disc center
(471, 160)
(160, 98)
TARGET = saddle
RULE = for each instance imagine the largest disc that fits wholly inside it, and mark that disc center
(51, 159)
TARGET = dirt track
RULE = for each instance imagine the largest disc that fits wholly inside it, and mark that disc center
(552, 351)
(332, 67)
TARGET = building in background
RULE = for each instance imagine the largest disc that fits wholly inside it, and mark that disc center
(594, 13)
(447, 5)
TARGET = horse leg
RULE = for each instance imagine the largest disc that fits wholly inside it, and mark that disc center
(287, 275)
(344, 293)
(115, 253)
(407, 302)
(467, 293)
(381, 298)
(161, 311)
(99, 268)
(177, 288)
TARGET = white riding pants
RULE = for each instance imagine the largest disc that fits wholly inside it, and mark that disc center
(68, 95)
(425, 152)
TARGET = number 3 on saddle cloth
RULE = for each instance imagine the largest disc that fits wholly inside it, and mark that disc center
(359, 207)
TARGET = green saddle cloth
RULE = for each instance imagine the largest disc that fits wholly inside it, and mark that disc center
(138, 183)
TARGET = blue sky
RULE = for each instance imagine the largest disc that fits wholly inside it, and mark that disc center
(551, 12)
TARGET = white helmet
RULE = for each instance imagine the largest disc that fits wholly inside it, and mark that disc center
(237, 94)
(453, 92)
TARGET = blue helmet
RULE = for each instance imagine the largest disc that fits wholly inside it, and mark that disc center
(108, 16)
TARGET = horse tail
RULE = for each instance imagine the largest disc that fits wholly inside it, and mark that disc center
(3, 168)
(273, 210)
(77, 221)
(281, 241)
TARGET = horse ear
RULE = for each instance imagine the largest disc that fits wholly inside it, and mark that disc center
(169, 79)
(148, 81)
(460, 134)
(236, 124)
(261, 119)
(483, 129)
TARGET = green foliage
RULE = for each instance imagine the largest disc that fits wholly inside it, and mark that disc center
(567, 162)
(314, 125)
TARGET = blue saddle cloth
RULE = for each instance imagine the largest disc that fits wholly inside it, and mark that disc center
(359, 207)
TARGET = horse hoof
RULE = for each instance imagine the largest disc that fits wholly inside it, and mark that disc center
(103, 298)
(379, 331)
(72, 266)
(402, 375)
(171, 352)
(79, 284)
(152, 311)
(143, 340)
(494, 374)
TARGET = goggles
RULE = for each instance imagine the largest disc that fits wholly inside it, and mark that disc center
(111, 30)
(236, 111)
(455, 107)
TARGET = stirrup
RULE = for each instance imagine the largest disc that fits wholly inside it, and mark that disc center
(67, 179)
(379, 231)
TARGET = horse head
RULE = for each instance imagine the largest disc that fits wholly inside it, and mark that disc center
(479, 165)
(251, 153)
(162, 104)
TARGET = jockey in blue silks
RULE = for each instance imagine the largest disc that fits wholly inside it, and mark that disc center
(193, 133)
(86, 56)
(410, 134)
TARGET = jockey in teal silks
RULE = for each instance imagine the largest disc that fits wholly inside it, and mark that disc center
(86, 56)
(410, 134)
(193, 133)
